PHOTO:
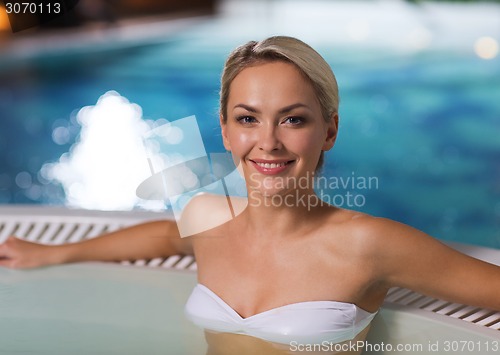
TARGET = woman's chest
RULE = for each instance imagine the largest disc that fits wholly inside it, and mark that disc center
(252, 280)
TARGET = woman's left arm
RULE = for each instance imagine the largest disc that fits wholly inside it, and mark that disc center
(407, 257)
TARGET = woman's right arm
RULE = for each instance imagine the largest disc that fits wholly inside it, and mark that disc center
(143, 241)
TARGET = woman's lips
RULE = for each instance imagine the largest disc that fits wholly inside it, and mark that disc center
(271, 167)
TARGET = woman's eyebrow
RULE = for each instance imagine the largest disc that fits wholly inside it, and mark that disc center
(292, 107)
(281, 111)
(247, 107)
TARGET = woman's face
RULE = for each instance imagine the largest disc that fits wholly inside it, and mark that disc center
(275, 128)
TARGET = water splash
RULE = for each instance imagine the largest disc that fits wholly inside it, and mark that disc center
(104, 166)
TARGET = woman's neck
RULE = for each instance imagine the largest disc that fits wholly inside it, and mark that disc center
(282, 215)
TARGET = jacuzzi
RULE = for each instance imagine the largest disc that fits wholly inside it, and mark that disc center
(137, 307)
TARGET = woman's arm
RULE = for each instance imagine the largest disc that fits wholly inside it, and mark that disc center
(409, 258)
(144, 241)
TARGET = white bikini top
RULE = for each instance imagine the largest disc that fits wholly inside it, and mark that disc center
(302, 322)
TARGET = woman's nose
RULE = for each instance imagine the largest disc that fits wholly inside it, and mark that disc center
(269, 138)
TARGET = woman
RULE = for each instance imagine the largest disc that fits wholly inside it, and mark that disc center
(283, 270)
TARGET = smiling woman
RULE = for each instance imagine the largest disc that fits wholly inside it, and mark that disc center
(284, 273)
(275, 114)
(310, 65)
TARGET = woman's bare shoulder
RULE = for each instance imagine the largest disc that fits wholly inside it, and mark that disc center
(206, 211)
(366, 225)
(365, 232)
(204, 203)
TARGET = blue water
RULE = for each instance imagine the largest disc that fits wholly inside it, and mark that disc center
(426, 126)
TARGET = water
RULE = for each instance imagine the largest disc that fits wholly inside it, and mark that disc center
(111, 309)
(424, 127)
(97, 309)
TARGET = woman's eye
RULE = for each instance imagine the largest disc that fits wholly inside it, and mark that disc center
(246, 119)
(294, 120)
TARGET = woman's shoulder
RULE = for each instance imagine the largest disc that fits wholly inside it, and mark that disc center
(206, 211)
(364, 232)
(204, 203)
(381, 238)
(363, 224)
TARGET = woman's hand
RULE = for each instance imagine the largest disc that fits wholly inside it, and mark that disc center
(16, 253)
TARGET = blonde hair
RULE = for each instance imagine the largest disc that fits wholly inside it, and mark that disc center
(288, 49)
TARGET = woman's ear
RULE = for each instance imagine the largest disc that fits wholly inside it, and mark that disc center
(223, 128)
(331, 133)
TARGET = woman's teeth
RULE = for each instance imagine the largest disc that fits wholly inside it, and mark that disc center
(271, 165)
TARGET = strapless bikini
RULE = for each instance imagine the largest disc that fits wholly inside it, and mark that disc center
(302, 322)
